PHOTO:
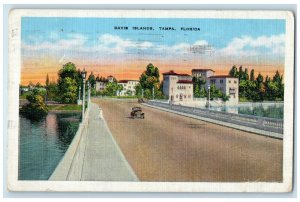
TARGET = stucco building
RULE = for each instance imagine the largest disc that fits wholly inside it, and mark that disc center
(203, 73)
(227, 84)
(128, 87)
(100, 85)
(177, 87)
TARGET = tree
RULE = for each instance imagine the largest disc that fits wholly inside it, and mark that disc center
(215, 92)
(203, 92)
(52, 91)
(149, 79)
(69, 87)
(92, 80)
(36, 108)
(233, 72)
(38, 85)
(241, 73)
(128, 92)
(259, 79)
(277, 79)
(260, 87)
(252, 75)
(246, 75)
(68, 78)
(197, 91)
(47, 81)
(112, 88)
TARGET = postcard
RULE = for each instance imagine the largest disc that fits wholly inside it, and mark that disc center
(150, 100)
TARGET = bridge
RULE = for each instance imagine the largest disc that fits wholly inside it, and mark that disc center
(165, 146)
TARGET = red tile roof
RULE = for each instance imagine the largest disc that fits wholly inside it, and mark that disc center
(203, 70)
(174, 73)
(184, 81)
(125, 81)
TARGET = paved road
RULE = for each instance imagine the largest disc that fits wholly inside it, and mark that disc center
(170, 147)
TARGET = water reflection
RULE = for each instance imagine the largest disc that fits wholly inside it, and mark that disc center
(43, 143)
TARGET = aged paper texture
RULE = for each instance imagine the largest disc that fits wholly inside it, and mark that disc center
(150, 100)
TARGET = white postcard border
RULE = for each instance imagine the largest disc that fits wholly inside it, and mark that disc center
(94, 186)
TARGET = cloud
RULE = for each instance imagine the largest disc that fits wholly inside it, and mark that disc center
(116, 44)
(72, 42)
(107, 46)
(182, 48)
(249, 46)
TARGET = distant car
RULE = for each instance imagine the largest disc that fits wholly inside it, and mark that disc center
(136, 112)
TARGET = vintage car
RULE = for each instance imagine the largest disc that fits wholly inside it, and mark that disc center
(136, 112)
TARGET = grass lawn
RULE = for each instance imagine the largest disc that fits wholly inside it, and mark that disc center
(23, 96)
(65, 107)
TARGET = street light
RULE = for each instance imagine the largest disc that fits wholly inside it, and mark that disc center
(89, 94)
(79, 95)
(83, 74)
(208, 87)
(172, 97)
(153, 92)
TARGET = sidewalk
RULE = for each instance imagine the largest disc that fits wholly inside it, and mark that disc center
(98, 157)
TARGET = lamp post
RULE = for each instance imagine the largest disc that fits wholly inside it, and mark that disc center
(83, 74)
(153, 92)
(89, 94)
(79, 96)
(142, 93)
(172, 97)
(208, 87)
(88, 90)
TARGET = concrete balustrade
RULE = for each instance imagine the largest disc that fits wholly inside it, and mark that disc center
(261, 125)
(66, 164)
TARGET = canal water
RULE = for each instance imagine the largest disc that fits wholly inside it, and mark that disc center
(269, 110)
(43, 143)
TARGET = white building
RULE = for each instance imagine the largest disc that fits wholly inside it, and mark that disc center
(203, 73)
(227, 84)
(128, 87)
(110, 79)
(177, 87)
(100, 85)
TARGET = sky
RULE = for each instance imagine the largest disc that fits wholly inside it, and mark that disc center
(104, 46)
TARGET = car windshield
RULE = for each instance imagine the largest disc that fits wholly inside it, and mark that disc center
(136, 108)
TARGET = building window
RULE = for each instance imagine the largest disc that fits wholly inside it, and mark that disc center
(221, 81)
(213, 81)
(229, 81)
(235, 82)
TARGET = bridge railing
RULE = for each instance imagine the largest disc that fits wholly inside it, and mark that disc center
(261, 123)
